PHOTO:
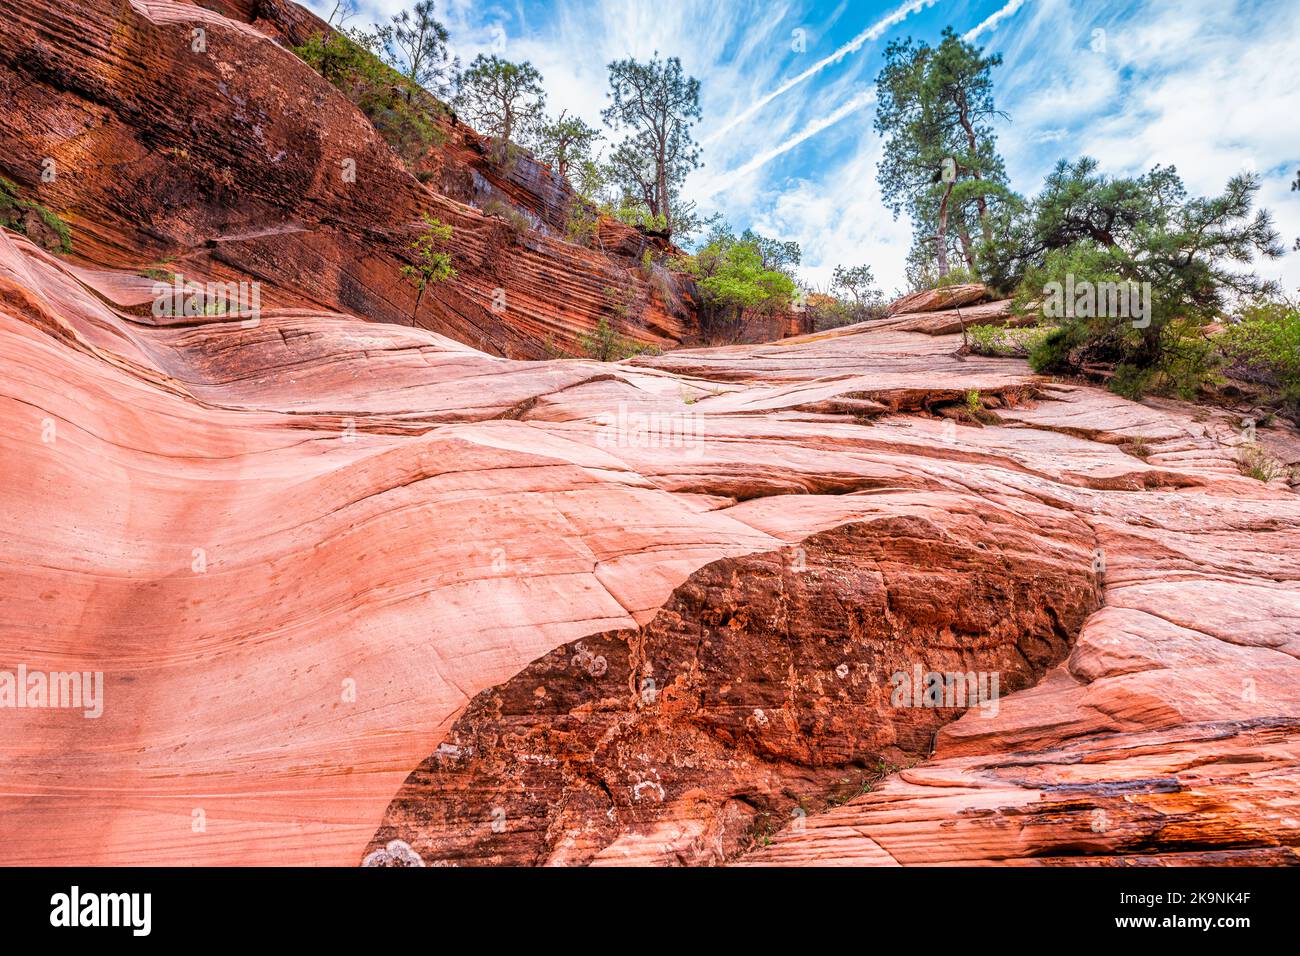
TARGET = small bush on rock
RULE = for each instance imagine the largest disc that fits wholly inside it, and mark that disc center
(1265, 347)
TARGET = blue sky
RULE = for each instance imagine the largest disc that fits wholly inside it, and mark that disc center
(1209, 86)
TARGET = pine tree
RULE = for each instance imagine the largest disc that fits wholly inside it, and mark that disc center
(502, 99)
(417, 48)
(941, 165)
(656, 104)
(564, 142)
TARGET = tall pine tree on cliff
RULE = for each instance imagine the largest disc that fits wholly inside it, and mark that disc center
(416, 43)
(564, 142)
(502, 99)
(656, 104)
(941, 165)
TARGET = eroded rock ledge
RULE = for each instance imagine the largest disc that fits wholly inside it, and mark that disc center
(762, 690)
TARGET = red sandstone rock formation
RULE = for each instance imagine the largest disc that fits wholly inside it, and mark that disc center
(354, 586)
(932, 300)
(298, 551)
(760, 690)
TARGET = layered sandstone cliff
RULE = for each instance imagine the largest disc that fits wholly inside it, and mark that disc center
(177, 137)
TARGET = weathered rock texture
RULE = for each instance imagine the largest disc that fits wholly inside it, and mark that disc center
(299, 551)
(760, 690)
(934, 300)
(318, 557)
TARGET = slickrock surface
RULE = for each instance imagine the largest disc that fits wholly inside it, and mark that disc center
(238, 162)
(951, 321)
(301, 551)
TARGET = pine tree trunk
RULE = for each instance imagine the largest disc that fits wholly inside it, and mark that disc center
(979, 200)
(966, 252)
(942, 237)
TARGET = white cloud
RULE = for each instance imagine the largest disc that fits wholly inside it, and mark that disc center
(840, 222)
(1192, 85)
(733, 178)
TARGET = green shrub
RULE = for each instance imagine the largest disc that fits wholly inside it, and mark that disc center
(1154, 340)
(1002, 342)
(1265, 347)
(13, 210)
(581, 225)
(59, 227)
(1180, 254)
(432, 264)
(1191, 361)
(1131, 382)
(405, 116)
(733, 279)
(958, 276)
(1138, 447)
(829, 312)
(1052, 353)
(637, 216)
(1254, 462)
(519, 223)
(607, 344)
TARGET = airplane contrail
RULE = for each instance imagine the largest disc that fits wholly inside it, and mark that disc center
(872, 32)
(993, 20)
(866, 98)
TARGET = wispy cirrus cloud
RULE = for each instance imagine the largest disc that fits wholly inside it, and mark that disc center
(873, 32)
(733, 178)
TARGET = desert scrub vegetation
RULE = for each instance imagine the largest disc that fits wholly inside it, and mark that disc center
(1138, 447)
(958, 276)
(1107, 237)
(852, 297)
(1254, 461)
(1002, 342)
(974, 410)
(405, 114)
(737, 276)
(1130, 271)
(35, 221)
(1263, 346)
(607, 344)
(581, 224)
(518, 221)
